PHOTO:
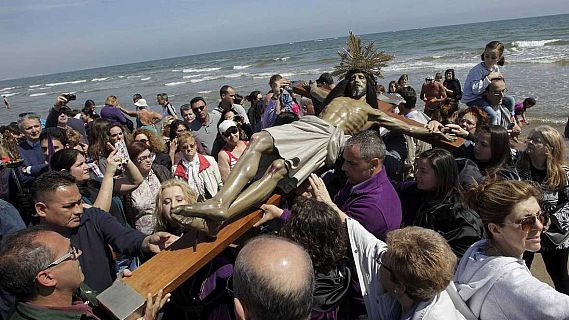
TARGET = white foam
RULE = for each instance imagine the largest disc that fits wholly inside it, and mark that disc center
(65, 82)
(241, 67)
(262, 75)
(35, 86)
(174, 83)
(234, 75)
(7, 89)
(533, 43)
(207, 78)
(191, 76)
(204, 92)
(281, 59)
(190, 70)
(10, 94)
(38, 94)
(121, 77)
(131, 77)
(176, 70)
(144, 79)
(36, 89)
(99, 79)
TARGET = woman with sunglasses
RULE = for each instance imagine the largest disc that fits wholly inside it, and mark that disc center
(492, 278)
(156, 145)
(232, 150)
(542, 163)
(140, 204)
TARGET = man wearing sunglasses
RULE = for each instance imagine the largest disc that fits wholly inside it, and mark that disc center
(59, 205)
(204, 127)
(41, 269)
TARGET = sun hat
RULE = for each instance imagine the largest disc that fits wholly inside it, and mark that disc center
(226, 124)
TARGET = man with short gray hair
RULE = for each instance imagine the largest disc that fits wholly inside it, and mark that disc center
(273, 279)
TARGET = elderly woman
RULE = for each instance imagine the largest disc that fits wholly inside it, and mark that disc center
(492, 277)
(233, 148)
(543, 163)
(199, 171)
(155, 144)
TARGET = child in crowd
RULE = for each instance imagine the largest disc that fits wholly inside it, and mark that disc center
(521, 108)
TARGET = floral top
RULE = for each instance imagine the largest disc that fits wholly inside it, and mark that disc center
(144, 203)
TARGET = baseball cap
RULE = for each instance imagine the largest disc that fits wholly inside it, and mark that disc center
(226, 124)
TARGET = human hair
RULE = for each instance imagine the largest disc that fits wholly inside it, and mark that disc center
(285, 117)
(21, 259)
(73, 137)
(495, 45)
(265, 296)
(111, 101)
(157, 144)
(529, 101)
(90, 113)
(409, 95)
(28, 116)
(494, 199)
(402, 77)
(89, 103)
(49, 182)
(162, 96)
(174, 127)
(438, 75)
(500, 154)
(371, 144)
(196, 99)
(136, 148)
(64, 159)
(98, 137)
(185, 107)
(422, 260)
(274, 78)
(482, 118)
(137, 96)
(54, 133)
(389, 86)
(380, 88)
(224, 89)
(446, 171)
(554, 145)
(126, 136)
(162, 224)
(186, 137)
(253, 96)
(319, 230)
(238, 99)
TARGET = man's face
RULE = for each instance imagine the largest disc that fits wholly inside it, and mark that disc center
(68, 273)
(229, 97)
(57, 145)
(160, 101)
(62, 207)
(62, 119)
(200, 109)
(495, 93)
(357, 170)
(358, 84)
(31, 129)
(188, 115)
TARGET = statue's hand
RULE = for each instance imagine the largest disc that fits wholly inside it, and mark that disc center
(183, 210)
(197, 224)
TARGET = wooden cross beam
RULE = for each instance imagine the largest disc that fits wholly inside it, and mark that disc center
(170, 268)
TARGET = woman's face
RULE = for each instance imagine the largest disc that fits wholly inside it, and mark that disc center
(403, 82)
(189, 149)
(448, 75)
(229, 115)
(426, 177)
(482, 148)
(171, 198)
(469, 122)
(536, 147)
(116, 134)
(393, 88)
(491, 57)
(79, 170)
(144, 161)
(181, 128)
(141, 137)
(510, 236)
(231, 136)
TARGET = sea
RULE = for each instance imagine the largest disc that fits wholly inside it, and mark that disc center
(537, 65)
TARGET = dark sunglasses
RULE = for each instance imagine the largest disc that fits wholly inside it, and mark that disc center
(230, 131)
(527, 223)
(199, 108)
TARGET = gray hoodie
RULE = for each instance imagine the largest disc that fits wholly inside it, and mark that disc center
(498, 287)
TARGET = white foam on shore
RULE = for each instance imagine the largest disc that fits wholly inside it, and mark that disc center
(190, 70)
(99, 79)
(533, 43)
(241, 67)
(191, 76)
(63, 83)
(38, 94)
(174, 83)
(35, 86)
(144, 79)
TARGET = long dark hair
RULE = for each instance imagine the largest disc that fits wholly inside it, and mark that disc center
(446, 170)
(64, 159)
(342, 89)
(174, 126)
(501, 154)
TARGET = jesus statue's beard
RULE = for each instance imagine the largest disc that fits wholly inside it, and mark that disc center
(358, 92)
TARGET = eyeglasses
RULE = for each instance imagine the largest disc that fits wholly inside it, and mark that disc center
(142, 140)
(73, 253)
(379, 260)
(144, 158)
(199, 108)
(230, 131)
(188, 146)
(527, 223)
(499, 92)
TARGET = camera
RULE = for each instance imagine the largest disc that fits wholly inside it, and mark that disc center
(238, 118)
(70, 96)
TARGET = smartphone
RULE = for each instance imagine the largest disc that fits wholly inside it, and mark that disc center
(70, 96)
(122, 152)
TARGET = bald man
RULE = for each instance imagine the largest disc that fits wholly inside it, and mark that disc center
(273, 279)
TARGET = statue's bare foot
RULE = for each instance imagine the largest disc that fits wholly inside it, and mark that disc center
(211, 210)
(197, 224)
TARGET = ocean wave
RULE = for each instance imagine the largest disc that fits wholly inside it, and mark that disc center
(38, 94)
(144, 79)
(63, 83)
(174, 83)
(533, 43)
(176, 70)
(36, 89)
(7, 89)
(190, 70)
(10, 94)
(99, 79)
(191, 76)
(121, 77)
(281, 59)
(35, 86)
(204, 92)
(234, 75)
(543, 60)
(207, 78)
(241, 67)
(428, 65)
(132, 77)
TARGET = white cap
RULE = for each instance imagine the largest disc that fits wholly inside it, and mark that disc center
(141, 103)
(226, 124)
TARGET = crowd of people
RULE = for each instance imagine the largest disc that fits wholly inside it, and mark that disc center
(376, 224)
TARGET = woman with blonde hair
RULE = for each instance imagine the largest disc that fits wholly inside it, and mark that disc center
(542, 163)
(492, 278)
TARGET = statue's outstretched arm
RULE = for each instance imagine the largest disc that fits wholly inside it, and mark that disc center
(394, 124)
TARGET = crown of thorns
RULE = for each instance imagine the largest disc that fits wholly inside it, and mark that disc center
(365, 58)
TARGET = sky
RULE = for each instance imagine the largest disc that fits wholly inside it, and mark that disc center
(51, 36)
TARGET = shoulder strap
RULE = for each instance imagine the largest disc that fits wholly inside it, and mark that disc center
(459, 304)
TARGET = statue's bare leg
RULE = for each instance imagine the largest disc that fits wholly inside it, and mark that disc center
(246, 168)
